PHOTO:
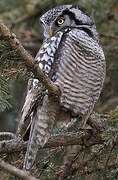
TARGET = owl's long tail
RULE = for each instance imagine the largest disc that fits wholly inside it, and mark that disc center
(43, 123)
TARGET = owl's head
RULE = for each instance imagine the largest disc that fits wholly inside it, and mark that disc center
(66, 16)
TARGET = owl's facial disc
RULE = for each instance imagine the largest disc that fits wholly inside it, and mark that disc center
(64, 17)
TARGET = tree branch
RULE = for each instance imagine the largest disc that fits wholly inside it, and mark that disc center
(29, 60)
(86, 138)
(15, 171)
(7, 135)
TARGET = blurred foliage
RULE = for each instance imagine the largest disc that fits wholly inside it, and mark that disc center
(22, 16)
(4, 95)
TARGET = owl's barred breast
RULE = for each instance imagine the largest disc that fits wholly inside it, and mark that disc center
(81, 72)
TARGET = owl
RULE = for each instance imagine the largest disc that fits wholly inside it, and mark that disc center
(73, 59)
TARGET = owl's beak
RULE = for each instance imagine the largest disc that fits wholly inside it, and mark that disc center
(50, 32)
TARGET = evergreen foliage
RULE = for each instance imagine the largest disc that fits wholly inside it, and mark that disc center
(4, 95)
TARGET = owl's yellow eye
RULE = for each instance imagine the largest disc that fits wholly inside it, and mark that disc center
(60, 21)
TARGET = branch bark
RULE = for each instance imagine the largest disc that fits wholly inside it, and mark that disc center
(85, 138)
(15, 171)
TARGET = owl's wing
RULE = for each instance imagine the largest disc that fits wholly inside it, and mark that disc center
(33, 98)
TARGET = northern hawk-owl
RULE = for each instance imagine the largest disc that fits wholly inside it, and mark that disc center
(73, 59)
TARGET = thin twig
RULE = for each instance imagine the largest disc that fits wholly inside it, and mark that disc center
(100, 169)
(108, 36)
(106, 163)
(69, 165)
(26, 17)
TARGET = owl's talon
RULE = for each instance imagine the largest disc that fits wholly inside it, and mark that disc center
(84, 132)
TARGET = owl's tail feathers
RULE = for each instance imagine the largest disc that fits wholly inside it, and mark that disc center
(32, 147)
(43, 123)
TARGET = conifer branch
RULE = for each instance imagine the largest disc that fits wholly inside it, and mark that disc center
(84, 138)
(28, 59)
(15, 171)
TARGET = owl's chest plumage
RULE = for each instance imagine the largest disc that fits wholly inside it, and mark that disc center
(81, 72)
(75, 63)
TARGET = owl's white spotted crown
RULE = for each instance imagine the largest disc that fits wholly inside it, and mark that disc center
(52, 14)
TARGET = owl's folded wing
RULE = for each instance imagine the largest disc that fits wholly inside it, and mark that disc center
(33, 98)
(33, 92)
